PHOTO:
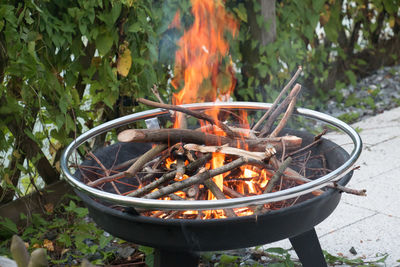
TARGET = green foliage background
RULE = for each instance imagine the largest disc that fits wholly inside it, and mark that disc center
(59, 77)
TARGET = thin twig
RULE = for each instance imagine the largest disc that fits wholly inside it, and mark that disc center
(288, 85)
(277, 175)
(156, 93)
(286, 116)
(280, 109)
(134, 168)
(169, 176)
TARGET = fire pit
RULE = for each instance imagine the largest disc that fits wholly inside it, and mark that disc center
(177, 240)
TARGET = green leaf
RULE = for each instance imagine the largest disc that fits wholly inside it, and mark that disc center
(391, 6)
(241, 12)
(277, 264)
(135, 27)
(65, 239)
(9, 225)
(81, 212)
(228, 259)
(104, 42)
(280, 251)
(146, 250)
(317, 5)
(115, 11)
(352, 77)
(104, 240)
(38, 220)
(149, 253)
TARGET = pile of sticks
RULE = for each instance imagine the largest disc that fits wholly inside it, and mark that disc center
(190, 176)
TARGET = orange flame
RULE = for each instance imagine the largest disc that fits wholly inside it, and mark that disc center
(202, 68)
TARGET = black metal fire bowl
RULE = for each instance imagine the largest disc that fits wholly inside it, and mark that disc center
(177, 240)
(218, 234)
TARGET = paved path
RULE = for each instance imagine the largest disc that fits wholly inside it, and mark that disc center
(369, 224)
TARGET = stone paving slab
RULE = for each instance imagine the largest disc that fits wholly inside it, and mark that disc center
(369, 224)
(375, 234)
(348, 214)
(383, 193)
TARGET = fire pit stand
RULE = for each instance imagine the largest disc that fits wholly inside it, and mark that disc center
(178, 241)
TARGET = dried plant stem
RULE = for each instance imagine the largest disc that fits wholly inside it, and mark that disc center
(195, 114)
(280, 109)
(293, 175)
(155, 92)
(131, 171)
(216, 191)
(286, 116)
(105, 170)
(347, 190)
(146, 157)
(317, 140)
(288, 85)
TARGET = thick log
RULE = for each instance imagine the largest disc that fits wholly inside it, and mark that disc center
(172, 136)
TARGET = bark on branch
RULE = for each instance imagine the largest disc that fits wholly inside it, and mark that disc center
(232, 151)
(172, 136)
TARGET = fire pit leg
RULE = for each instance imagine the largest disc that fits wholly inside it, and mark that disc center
(166, 258)
(308, 249)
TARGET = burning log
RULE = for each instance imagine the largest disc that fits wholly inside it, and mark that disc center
(189, 169)
(201, 177)
(219, 195)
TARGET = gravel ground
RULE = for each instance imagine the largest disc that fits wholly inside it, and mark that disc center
(370, 96)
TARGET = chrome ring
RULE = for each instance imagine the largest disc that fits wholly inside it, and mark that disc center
(211, 204)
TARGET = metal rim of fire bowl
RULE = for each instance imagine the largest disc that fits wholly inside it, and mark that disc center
(211, 204)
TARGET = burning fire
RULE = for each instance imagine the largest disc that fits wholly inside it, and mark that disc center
(203, 72)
